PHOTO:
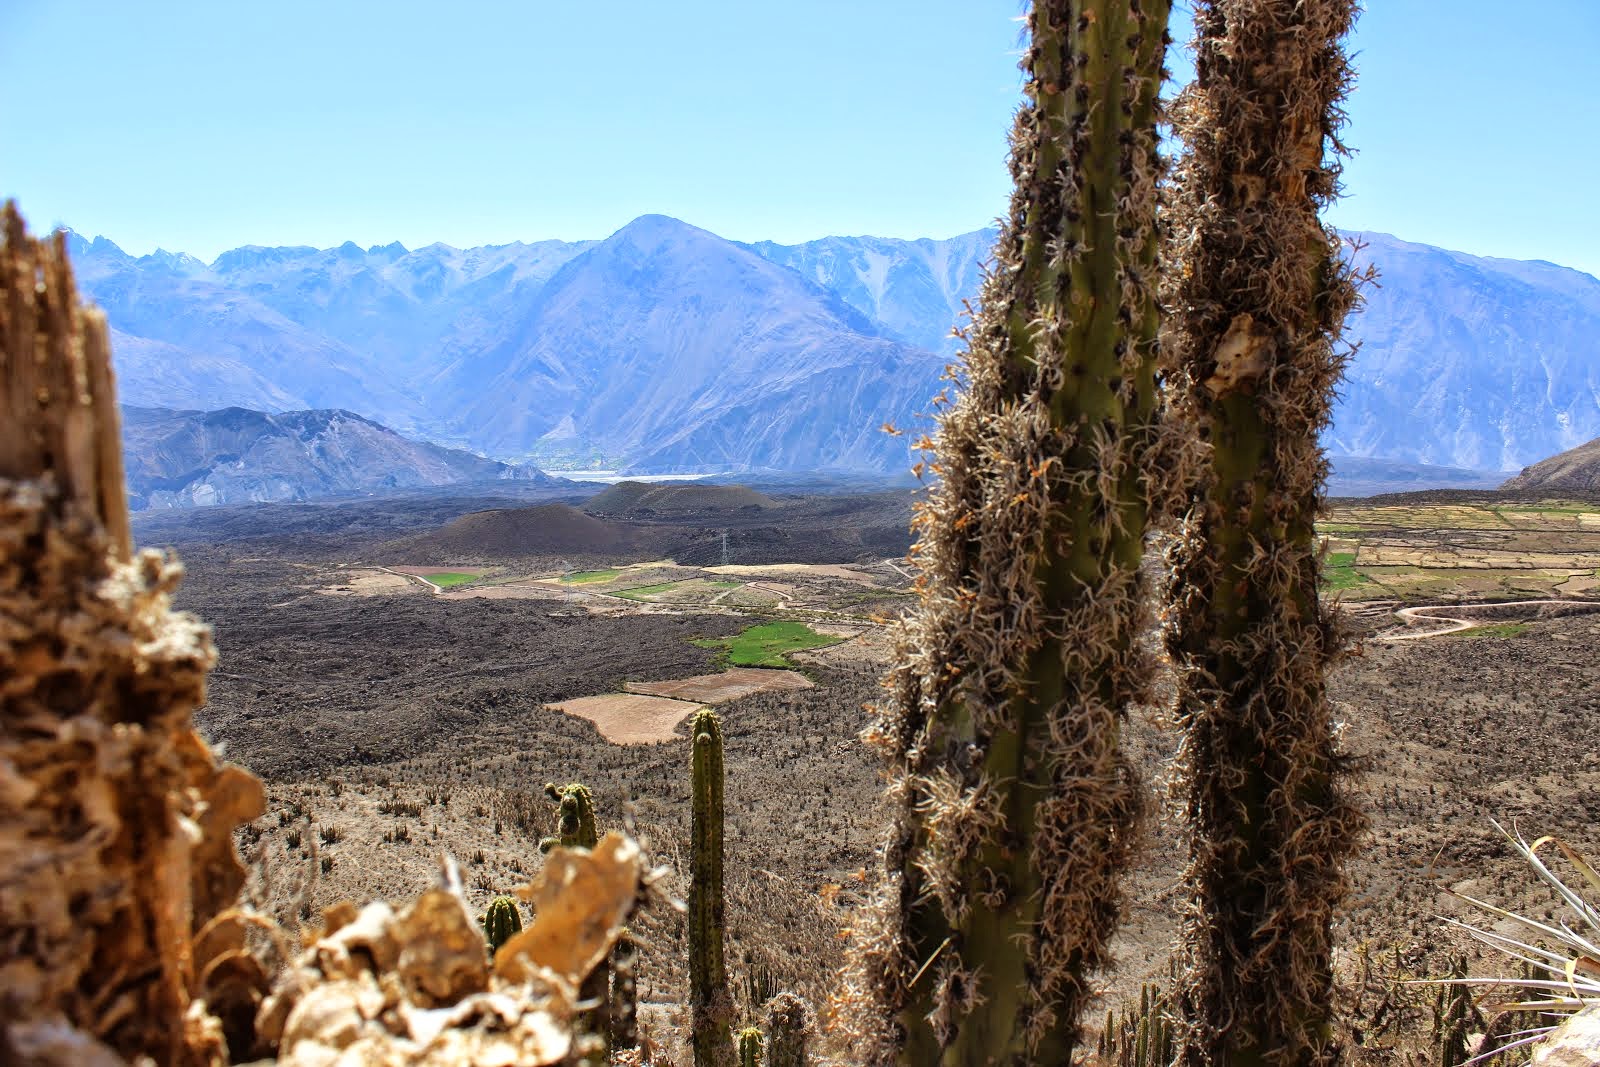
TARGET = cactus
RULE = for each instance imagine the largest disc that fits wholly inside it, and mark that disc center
(500, 921)
(789, 1029)
(750, 1047)
(710, 1004)
(575, 825)
(1141, 1038)
(575, 828)
(1015, 807)
(624, 1014)
(1455, 1018)
(1259, 293)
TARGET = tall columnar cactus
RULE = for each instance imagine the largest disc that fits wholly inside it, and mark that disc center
(1258, 297)
(789, 1027)
(500, 922)
(575, 825)
(1016, 808)
(709, 1000)
(750, 1047)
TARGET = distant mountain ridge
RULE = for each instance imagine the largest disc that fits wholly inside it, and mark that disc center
(235, 455)
(1577, 469)
(665, 347)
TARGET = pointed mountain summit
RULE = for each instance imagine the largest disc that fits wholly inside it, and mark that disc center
(668, 346)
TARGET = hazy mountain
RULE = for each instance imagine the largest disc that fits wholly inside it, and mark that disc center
(1575, 469)
(1366, 476)
(233, 456)
(915, 289)
(666, 347)
(675, 349)
(1489, 364)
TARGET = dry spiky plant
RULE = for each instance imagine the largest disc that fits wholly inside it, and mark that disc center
(1257, 297)
(1561, 961)
(1016, 809)
(119, 939)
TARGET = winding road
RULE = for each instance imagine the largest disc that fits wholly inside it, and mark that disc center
(1452, 615)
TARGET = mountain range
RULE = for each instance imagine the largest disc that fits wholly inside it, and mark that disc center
(235, 455)
(667, 348)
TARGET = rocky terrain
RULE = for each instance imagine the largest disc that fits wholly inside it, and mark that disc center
(665, 347)
(1575, 470)
(235, 456)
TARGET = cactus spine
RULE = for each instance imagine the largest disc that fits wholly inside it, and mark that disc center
(1259, 295)
(502, 920)
(750, 1047)
(575, 825)
(789, 1028)
(1016, 809)
(709, 1001)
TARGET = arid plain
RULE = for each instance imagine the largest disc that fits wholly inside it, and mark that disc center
(407, 675)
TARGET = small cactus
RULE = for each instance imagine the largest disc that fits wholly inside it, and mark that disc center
(750, 1047)
(1455, 1018)
(624, 994)
(789, 1027)
(501, 922)
(708, 972)
(1142, 1038)
(575, 825)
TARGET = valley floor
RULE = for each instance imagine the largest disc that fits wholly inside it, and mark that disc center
(394, 719)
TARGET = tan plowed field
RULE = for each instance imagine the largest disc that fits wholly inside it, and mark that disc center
(630, 718)
(731, 684)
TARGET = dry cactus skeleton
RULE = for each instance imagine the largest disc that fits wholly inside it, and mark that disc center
(119, 941)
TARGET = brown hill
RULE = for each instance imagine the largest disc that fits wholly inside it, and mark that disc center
(1575, 470)
(642, 500)
(510, 533)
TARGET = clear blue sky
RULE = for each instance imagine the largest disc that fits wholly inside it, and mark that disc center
(201, 126)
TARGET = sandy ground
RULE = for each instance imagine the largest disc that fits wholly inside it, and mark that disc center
(631, 718)
(720, 688)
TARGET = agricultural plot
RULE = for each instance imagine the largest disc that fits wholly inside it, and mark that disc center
(725, 686)
(769, 644)
(630, 718)
(1415, 552)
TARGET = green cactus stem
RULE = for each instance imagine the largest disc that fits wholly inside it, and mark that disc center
(750, 1047)
(1259, 294)
(709, 1000)
(789, 1027)
(575, 825)
(500, 922)
(1016, 809)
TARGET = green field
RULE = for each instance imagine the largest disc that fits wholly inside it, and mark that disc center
(591, 577)
(766, 644)
(644, 592)
(1498, 629)
(451, 579)
(1339, 571)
